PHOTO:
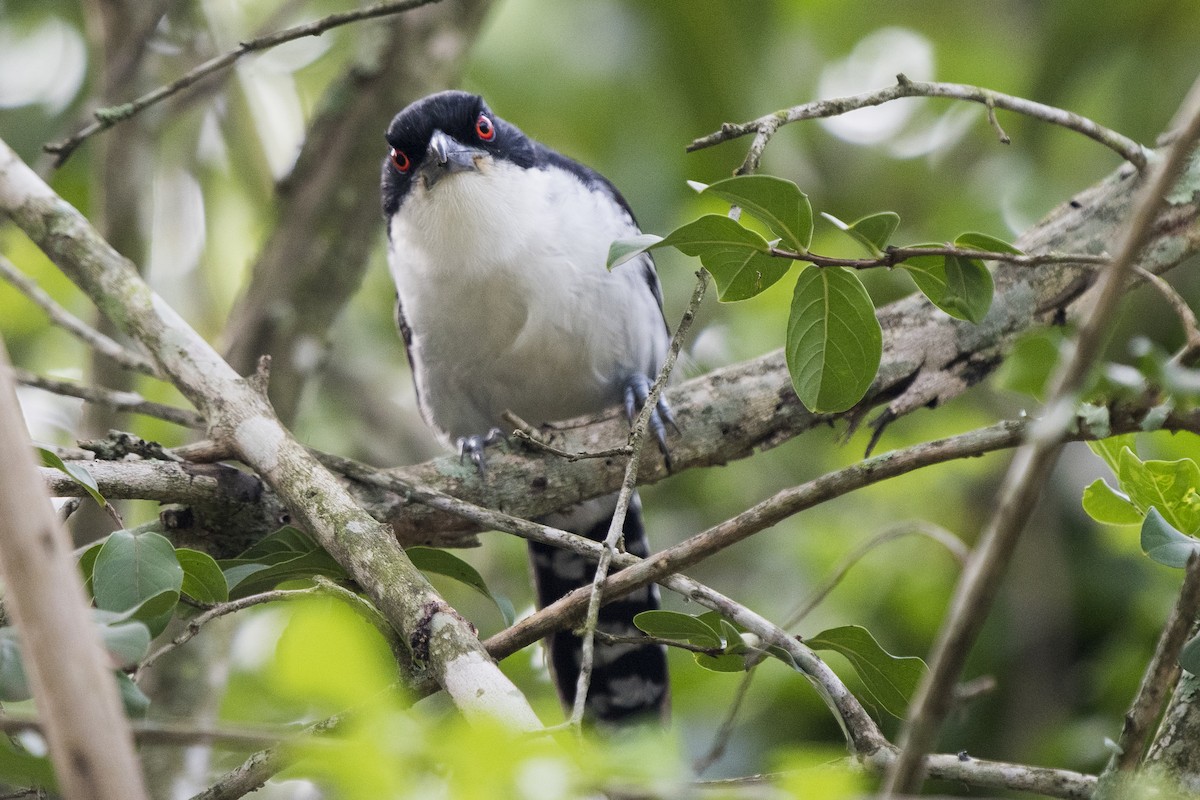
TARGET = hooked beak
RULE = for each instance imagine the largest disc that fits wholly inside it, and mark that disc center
(447, 156)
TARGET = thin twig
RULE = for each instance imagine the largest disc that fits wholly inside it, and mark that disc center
(99, 342)
(108, 117)
(894, 256)
(612, 540)
(117, 400)
(1028, 473)
(766, 125)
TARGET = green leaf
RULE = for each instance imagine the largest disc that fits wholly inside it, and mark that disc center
(87, 563)
(14, 684)
(890, 679)
(203, 580)
(1105, 504)
(834, 342)
(736, 256)
(969, 289)
(133, 568)
(873, 231)
(1164, 544)
(777, 202)
(1169, 486)
(678, 627)
(250, 578)
(77, 473)
(981, 241)
(1189, 657)
(440, 562)
(1110, 449)
(726, 662)
(127, 642)
(136, 703)
(623, 250)
(962, 287)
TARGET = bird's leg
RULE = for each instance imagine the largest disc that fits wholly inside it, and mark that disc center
(637, 391)
(471, 447)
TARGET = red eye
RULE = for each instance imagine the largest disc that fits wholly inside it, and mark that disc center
(484, 128)
(400, 161)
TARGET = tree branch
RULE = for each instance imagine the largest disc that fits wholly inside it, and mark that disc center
(764, 127)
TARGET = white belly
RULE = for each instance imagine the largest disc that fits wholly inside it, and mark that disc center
(508, 310)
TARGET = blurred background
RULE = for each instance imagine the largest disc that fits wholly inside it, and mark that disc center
(267, 238)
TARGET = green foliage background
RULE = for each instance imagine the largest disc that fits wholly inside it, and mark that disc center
(624, 86)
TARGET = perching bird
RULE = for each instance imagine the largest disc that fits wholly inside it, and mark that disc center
(497, 245)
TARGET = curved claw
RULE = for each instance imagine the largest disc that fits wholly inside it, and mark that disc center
(472, 447)
(637, 391)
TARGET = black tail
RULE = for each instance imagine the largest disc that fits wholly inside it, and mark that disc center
(629, 681)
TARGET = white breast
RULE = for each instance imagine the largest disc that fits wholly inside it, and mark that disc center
(502, 280)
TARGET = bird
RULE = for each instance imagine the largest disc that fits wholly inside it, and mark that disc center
(497, 245)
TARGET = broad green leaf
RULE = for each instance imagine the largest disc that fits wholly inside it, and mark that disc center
(76, 472)
(156, 611)
(890, 679)
(276, 569)
(14, 684)
(969, 288)
(1105, 504)
(726, 662)
(285, 540)
(962, 287)
(203, 580)
(736, 256)
(1189, 657)
(1169, 486)
(1110, 449)
(440, 562)
(777, 202)
(623, 250)
(136, 703)
(678, 627)
(127, 642)
(132, 568)
(873, 231)
(834, 342)
(1164, 544)
(981, 241)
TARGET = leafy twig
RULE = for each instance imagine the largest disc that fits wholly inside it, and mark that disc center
(108, 117)
(894, 256)
(764, 127)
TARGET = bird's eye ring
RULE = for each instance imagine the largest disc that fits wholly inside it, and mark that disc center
(400, 161)
(484, 128)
